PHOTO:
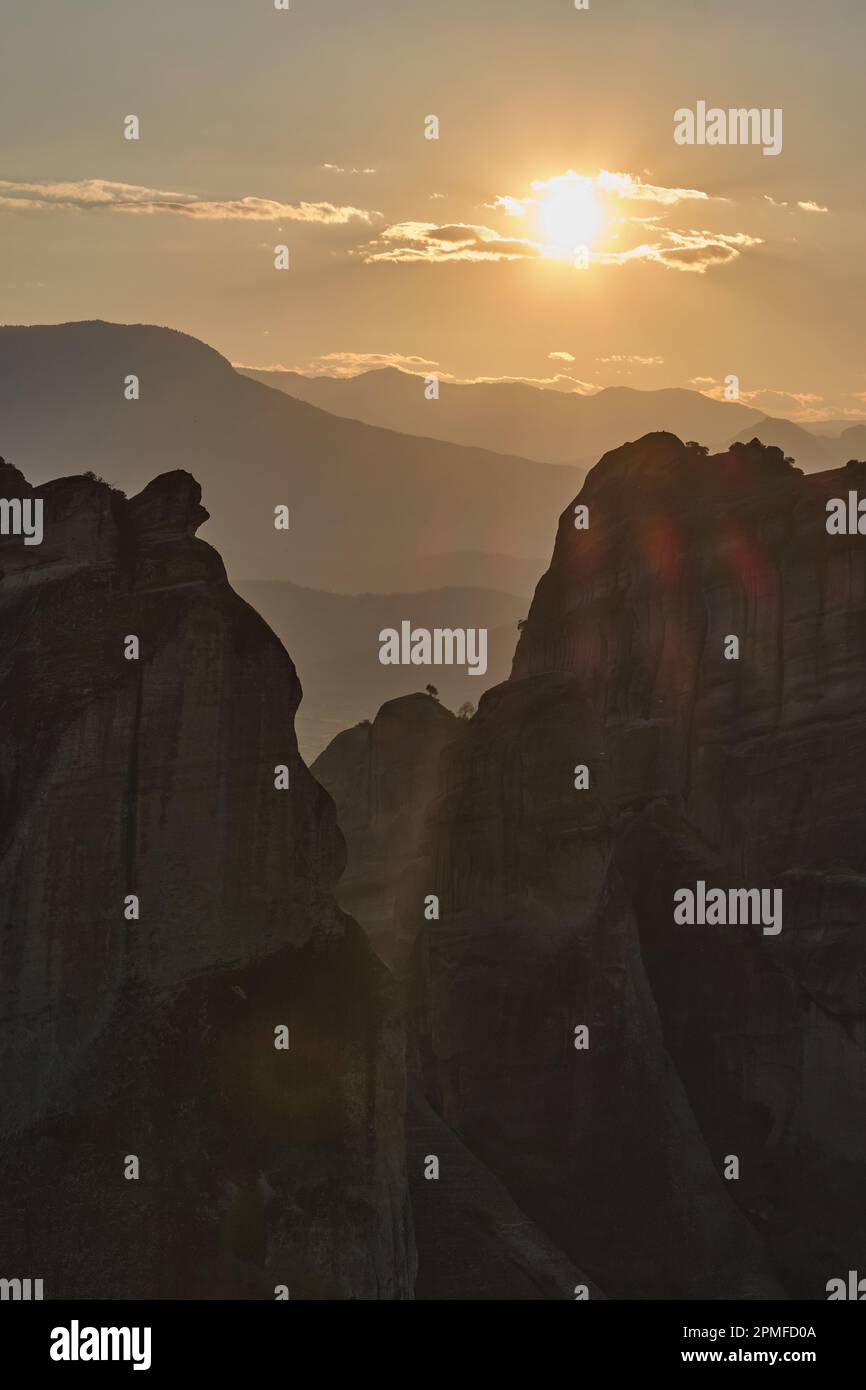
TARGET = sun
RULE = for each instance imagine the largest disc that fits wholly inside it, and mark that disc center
(569, 216)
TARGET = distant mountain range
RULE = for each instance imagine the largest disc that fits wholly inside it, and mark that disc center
(554, 426)
(370, 509)
(384, 525)
(811, 452)
(830, 427)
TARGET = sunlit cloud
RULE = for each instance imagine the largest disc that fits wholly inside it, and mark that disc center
(596, 215)
(630, 358)
(255, 210)
(695, 251)
(632, 189)
(425, 241)
(690, 250)
(561, 357)
(338, 169)
(773, 400)
(95, 194)
(560, 382)
(348, 364)
(625, 187)
(81, 193)
(805, 205)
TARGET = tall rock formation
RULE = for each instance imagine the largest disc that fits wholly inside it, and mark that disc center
(706, 1043)
(473, 1240)
(383, 777)
(167, 908)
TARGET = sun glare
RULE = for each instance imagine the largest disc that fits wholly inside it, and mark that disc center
(569, 217)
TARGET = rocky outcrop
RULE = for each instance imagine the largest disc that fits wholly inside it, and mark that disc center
(705, 1043)
(167, 866)
(382, 777)
(473, 1240)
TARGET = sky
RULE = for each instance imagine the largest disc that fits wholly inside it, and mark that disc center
(555, 232)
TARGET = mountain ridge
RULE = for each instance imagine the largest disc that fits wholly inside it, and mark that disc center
(364, 502)
(558, 427)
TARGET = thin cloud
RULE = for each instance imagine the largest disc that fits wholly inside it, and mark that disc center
(560, 382)
(95, 194)
(694, 251)
(338, 169)
(804, 204)
(625, 187)
(684, 249)
(796, 405)
(425, 241)
(629, 358)
(349, 364)
(255, 210)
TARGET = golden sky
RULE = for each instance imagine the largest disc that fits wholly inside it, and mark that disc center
(461, 255)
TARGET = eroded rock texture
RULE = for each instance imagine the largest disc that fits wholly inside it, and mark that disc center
(155, 1038)
(557, 903)
(383, 776)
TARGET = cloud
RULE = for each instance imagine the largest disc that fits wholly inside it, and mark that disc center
(625, 187)
(337, 169)
(633, 189)
(796, 405)
(630, 357)
(560, 382)
(348, 364)
(425, 241)
(77, 196)
(255, 210)
(690, 250)
(561, 357)
(694, 251)
(805, 205)
(93, 194)
(672, 248)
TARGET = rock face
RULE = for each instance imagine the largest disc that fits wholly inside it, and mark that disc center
(557, 903)
(383, 777)
(153, 1036)
(473, 1240)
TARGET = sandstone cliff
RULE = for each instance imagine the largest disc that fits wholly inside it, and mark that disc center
(705, 1043)
(383, 777)
(473, 1240)
(558, 903)
(154, 1036)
